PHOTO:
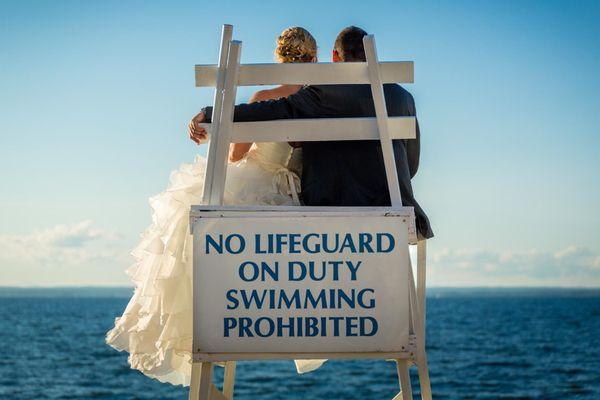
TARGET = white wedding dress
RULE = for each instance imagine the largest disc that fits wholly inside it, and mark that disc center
(156, 326)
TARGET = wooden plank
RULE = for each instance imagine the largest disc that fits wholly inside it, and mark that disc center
(229, 379)
(216, 357)
(321, 129)
(304, 211)
(404, 378)
(382, 120)
(226, 35)
(222, 152)
(423, 370)
(421, 284)
(325, 210)
(202, 211)
(216, 394)
(318, 129)
(205, 386)
(195, 382)
(309, 73)
(422, 366)
(421, 355)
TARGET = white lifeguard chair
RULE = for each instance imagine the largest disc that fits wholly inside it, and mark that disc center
(404, 302)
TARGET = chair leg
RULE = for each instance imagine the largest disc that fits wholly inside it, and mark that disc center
(422, 284)
(229, 379)
(195, 381)
(421, 355)
(204, 382)
(404, 377)
(423, 370)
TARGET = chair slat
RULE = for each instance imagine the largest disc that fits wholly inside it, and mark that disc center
(309, 73)
(310, 130)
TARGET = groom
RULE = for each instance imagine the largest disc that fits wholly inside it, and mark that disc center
(342, 173)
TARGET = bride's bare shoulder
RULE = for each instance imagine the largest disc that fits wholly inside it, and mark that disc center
(274, 94)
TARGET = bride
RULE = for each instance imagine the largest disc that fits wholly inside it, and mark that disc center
(156, 326)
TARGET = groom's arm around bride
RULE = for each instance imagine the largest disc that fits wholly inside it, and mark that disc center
(343, 173)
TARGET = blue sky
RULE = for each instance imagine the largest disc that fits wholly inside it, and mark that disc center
(96, 96)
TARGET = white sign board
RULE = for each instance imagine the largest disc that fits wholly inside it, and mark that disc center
(281, 283)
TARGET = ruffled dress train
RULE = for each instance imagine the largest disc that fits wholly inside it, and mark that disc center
(156, 326)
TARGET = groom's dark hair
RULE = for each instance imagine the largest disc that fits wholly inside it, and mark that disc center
(349, 44)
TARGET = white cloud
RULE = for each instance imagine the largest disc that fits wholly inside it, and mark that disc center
(76, 235)
(62, 244)
(79, 253)
(571, 266)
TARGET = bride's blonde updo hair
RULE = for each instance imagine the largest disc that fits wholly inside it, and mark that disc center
(296, 44)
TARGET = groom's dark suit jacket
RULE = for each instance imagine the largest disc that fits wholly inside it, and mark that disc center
(346, 173)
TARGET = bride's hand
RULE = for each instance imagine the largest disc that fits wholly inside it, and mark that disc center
(197, 133)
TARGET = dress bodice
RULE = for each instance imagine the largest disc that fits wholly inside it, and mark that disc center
(271, 153)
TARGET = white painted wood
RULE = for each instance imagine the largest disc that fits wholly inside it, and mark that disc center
(201, 387)
(205, 384)
(303, 211)
(404, 378)
(197, 210)
(382, 120)
(318, 129)
(218, 273)
(422, 284)
(423, 371)
(229, 379)
(226, 35)
(309, 73)
(296, 211)
(216, 394)
(421, 356)
(195, 381)
(409, 354)
(226, 76)
(202, 376)
(223, 141)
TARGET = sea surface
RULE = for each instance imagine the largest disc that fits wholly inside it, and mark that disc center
(482, 344)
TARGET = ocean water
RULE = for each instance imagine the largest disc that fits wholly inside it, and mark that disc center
(482, 344)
